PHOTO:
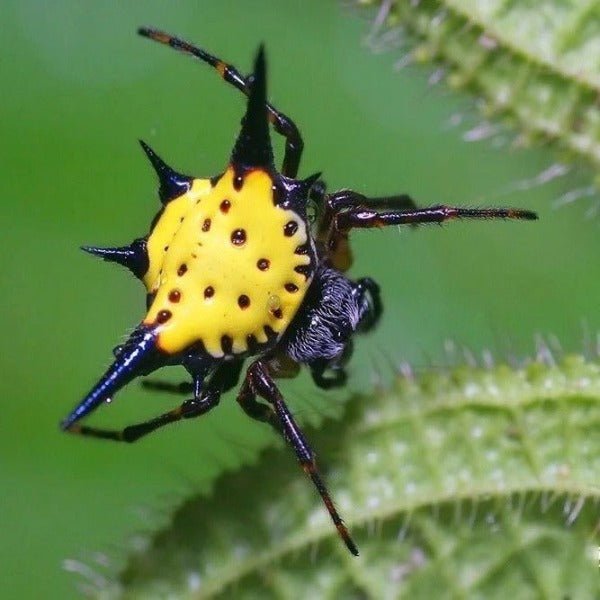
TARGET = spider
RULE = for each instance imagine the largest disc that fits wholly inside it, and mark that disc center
(235, 270)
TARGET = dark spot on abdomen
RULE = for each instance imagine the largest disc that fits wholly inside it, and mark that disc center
(226, 344)
(270, 333)
(238, 237)
(163, 316)
(263, 264)
(303, 270)
(252, 343)
(290, 228)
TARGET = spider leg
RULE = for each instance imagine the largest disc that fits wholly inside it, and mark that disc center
(335, 240)
(329, 374)
(190, 408)
(318, 191)
(347, 199)
(205, 397)
(366, 217)
(346, 210)
(178, 389)
(282, 124)
(257, 410)
(259, 382)
(225, 378)
(371, 317)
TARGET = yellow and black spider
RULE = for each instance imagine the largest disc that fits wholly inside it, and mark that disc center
(234, 270)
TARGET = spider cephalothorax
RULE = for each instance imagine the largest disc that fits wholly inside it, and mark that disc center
(233, 269)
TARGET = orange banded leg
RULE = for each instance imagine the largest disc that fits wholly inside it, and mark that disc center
(189, 409)
(259, 382)
(363, 217)
(257, 410)
(281, 123)
(335, 240)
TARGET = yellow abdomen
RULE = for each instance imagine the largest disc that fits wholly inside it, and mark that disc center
(232, 266)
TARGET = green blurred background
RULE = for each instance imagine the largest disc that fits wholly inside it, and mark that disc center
(79, 88)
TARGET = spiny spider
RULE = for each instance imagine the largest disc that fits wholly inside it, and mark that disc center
(234, 270)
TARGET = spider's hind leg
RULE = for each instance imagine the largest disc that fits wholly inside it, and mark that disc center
(259, 382)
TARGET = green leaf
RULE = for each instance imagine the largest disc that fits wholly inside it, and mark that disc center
(478, 483)
(533, 62)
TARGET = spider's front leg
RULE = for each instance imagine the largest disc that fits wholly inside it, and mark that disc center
(351, 209)
(335, 239)
(259, 382)
(366, 217)
(347, 210)
(282, 124)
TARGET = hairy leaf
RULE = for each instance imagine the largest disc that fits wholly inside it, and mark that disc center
(478, 483)
(536, 62)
